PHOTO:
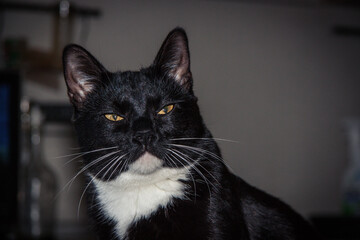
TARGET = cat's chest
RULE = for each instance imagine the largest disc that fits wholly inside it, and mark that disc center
(131, 196)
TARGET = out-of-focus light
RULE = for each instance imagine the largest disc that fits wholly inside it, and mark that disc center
(64, 8)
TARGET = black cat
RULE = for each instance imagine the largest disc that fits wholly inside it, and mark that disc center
(154, 170)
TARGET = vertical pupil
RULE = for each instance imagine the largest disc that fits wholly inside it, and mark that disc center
(114, 117)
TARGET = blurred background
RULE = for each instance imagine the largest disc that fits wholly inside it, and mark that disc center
(281, 78)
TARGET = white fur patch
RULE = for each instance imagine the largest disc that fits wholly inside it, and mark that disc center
(146, 164)
(140, 191)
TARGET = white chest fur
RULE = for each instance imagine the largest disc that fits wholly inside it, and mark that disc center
(133, 195)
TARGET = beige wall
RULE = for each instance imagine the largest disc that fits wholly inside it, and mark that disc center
(273, 78)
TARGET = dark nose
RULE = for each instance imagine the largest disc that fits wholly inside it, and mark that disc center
(144, 137)
(143, 131)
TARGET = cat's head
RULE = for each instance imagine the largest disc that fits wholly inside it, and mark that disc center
(134, 119)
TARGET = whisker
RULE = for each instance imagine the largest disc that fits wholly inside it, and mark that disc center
(198, 163)
(95, 162)
(118, 162)
(167, 157)
(93, 178)
(79, 155)
(83, 153)
(195, 168)
(189, 171)
(122, 167)
(199, 150)
(217, 139)
(92, 163)
(114, 160)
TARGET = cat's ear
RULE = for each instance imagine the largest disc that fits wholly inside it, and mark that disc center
(173, 58)
(82, 73)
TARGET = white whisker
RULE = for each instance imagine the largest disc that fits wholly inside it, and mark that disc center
(189, 171)
(118, 162)
(193, 167)
(92, 163)
(203, 151)
(208, 139)
(84, 153)
(81, 154)
(198, 163)
(93, 178)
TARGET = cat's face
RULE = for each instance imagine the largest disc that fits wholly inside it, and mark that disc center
(134, 119)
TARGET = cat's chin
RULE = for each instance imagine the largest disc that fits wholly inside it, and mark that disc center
(146, 164)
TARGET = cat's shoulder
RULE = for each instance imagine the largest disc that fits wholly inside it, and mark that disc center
(261, 210)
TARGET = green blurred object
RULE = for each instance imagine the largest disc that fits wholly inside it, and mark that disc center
(14, 53)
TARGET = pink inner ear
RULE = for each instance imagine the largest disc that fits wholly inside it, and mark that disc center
(175, 58)
(81, 75)
(73, 81)
(181, 69)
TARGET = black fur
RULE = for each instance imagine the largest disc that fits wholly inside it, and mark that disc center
(219, 205)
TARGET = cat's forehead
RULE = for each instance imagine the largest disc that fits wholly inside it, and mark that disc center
(138, 88)
(133, 80)
(136, 84)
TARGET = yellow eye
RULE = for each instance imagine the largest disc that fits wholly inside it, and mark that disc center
(113, 117)
(166, 109)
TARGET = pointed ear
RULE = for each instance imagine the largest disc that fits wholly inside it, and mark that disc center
(82, 73)
(173, 58)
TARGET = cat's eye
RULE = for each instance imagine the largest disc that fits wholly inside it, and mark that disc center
(166, 109)
(113, 117)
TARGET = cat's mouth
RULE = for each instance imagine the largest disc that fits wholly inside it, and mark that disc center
(146, 164)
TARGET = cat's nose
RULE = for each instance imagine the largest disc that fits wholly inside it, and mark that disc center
(144, 137)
